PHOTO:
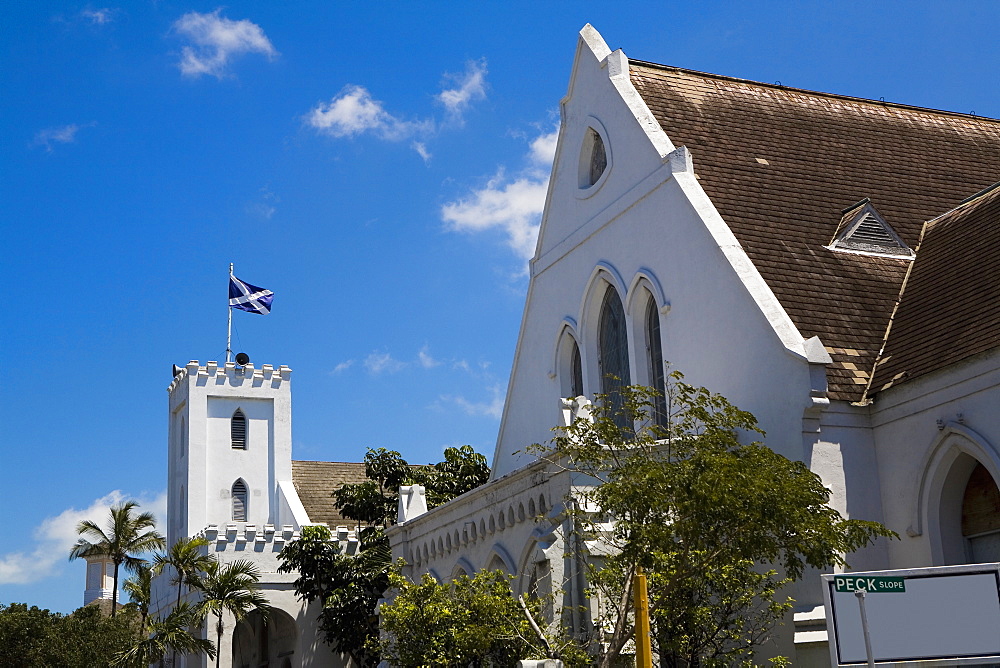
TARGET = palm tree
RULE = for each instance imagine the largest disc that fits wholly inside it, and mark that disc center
(187, 560)
(127, 535)
(163, 635)
(230, 588)
(138, 587)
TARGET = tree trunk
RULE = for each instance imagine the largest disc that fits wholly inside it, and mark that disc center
(218, 641)
(114, 594)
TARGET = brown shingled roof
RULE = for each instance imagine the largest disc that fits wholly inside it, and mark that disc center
(824, 153)
(315, 483)
(949, 309)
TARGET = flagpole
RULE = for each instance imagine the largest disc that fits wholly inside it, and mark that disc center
(229, 332)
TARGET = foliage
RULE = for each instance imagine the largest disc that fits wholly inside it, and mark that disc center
(351, 587)
(127, 535)
(709, 518)
(374, 501)
(348, 587)
(30, 636)
(230, 587)
(188, 560)
(472, 621)
(170, 634)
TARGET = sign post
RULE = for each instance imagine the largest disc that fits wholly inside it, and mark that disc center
(864, 627)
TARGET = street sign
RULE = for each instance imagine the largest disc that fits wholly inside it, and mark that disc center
(870, 584)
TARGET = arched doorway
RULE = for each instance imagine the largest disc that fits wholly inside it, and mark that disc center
(981, 516)
(256, 644)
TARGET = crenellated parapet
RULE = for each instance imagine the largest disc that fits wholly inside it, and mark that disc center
(231, 374)
(243, 533)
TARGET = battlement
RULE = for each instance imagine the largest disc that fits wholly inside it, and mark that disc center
(231, 374)
(249, 537)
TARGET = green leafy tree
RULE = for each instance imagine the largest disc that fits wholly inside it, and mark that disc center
(349, 588)
(232, 588)
(169, 634)
(472, 621)
(127, 535)
(709, 517)
(30, 636)
(374, 501)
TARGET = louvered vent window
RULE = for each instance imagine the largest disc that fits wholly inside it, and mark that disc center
(613, 345)
(655, 353)
(239, 430)
(239, 501)
(870, 234)
(576, 373)
(863, 230)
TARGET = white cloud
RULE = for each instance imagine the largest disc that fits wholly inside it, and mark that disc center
(216, 40)
(54, 537)
(470, 87)
(343, 366)
(421, 149)
(264, 207)
(543, 149)
(511, 205)
(377, 363)
(492, 408)
(99, 16)
(426, 360)
(353, 111)
(64, 134)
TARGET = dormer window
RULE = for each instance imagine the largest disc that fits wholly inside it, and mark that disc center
(238, 430)
(863, 230)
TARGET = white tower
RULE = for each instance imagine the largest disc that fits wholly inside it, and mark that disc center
(230, 448)
(100, 579)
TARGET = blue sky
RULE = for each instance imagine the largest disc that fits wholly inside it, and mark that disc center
(380, 166)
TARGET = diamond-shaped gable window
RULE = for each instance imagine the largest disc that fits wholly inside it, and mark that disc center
(863, 230)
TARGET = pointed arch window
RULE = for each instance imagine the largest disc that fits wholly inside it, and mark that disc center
(238, 430)
(613, 354)
(576, 371)
(654, 353)
(239, 494)
(598, 158)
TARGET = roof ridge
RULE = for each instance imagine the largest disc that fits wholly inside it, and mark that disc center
(778, 86)
(971, 199)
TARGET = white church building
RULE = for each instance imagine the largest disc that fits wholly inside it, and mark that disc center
(830, 264)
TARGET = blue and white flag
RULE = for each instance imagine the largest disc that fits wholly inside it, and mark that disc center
(248, 297)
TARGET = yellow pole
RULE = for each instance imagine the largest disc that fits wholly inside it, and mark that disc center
(643, 650)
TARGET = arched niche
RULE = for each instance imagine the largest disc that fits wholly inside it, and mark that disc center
(260, 643)
(946, 471)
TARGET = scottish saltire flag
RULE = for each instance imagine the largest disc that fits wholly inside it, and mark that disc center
(248, 297)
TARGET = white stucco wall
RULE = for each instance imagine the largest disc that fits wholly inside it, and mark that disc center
(922, 461)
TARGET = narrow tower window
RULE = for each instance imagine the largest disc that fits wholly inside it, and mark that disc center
(613, 355)
(654, 351)
(239, 430)
(239, 501)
